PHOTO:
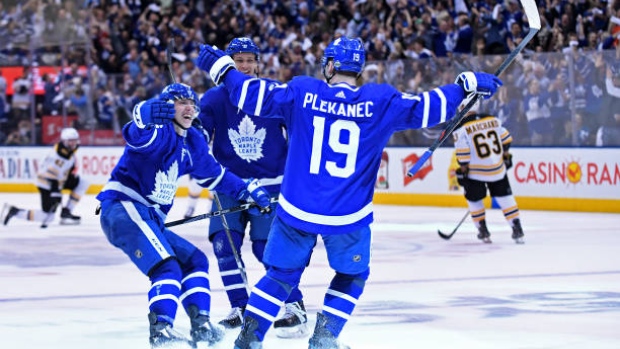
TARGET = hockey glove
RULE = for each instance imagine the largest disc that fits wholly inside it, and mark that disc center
(214, 61)
(461, 175)
(153, 112)
(480, 83)
(508, 160)
(255, 193)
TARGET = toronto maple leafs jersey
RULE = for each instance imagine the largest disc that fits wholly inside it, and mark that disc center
(249, 146)
(154, 159)
(480, 143)
(336, 137)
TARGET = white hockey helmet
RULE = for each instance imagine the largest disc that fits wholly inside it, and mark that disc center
(69, 134)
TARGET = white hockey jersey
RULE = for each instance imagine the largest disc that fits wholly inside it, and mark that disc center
(56, 166)
(480, 142)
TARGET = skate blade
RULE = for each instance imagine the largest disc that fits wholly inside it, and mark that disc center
(487, 240)
(299, 331)
(69, 222)
(519, 241)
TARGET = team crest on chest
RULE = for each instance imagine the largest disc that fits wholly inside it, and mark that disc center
(165, 186)
(247, 141)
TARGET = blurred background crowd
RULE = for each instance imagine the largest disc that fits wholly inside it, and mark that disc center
(86, 63)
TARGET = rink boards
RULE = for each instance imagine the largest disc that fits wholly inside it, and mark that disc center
(566, 179)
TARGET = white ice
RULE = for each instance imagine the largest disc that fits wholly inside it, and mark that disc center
(66, 287)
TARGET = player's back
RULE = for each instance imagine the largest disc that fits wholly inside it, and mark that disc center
(479, 142)
(336, 134)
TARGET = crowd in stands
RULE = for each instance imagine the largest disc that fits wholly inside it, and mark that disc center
(561, 91)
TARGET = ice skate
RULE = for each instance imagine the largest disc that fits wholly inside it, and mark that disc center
(8, 212)
(164, 336)
(322, 338)
(517, 232)
(234, 318)
(247, 339)
(483, 232)
(202, 329)
(294, 322)
(67, 218)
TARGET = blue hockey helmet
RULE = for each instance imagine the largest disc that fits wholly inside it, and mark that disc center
(242, 45)
(179, 91)
(348, 55)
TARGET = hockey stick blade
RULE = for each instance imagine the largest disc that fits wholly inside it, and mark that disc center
(449, 236)
(215, 213)
(531, 13)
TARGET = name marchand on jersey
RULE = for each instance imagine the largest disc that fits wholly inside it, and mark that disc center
(481, 126)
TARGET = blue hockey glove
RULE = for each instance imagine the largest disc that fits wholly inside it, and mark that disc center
(214, 61)
(480, 83)
(153, 112)
(255, 193)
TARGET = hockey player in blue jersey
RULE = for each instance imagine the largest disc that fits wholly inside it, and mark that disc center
(250, 147)
(337, 132)
(161, 146)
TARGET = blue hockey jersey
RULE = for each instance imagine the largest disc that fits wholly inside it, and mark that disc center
(155, 158)
(249, 146)
(336, 137)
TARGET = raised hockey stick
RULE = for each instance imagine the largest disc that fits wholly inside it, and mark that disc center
(240, 265)
(169, 51)
(531, 12)
(214, 214)
(449, 236)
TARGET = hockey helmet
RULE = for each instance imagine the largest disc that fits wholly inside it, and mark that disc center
(242, 45)
(69, 134)
(348, 55)
(178, 91)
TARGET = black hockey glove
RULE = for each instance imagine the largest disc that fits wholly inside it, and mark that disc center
(508, 160)
(461, 175)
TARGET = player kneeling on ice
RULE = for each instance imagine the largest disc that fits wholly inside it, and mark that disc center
(337, 132)
(57, 172)
(161, 146)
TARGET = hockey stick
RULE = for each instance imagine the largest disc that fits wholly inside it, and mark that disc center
(240, 266)
(215, 214)
(531, 12)
(449, 236)
(169, 51)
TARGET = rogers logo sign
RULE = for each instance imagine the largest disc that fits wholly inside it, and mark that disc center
(410, 161)
(98, 165)
(570, 172)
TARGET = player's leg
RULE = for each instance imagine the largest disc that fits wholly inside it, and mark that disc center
(349, 256)
(50, 200)
(194, 191)
(502, 193)
(137, 231)
(294, 321)
(286, 255)
(231, 275)
(475, 192)
(78, 187)
(195, 289)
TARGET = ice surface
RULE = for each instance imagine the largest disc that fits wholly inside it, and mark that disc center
(66, 287)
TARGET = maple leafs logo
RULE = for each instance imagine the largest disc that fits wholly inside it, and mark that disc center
(248, 142)
(165, 185)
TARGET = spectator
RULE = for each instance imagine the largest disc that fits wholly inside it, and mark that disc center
(609, 133)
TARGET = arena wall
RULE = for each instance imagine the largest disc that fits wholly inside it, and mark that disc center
(566, 179)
